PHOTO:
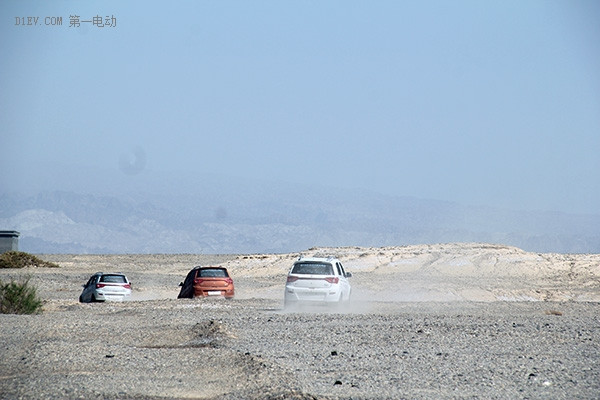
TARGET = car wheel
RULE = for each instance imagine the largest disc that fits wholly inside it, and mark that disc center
(80, 299)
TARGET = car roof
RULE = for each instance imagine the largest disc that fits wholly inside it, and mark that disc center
(317, 259)
(200, 267)
(109, 273)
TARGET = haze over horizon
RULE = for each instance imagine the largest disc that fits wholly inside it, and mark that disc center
(492, 104)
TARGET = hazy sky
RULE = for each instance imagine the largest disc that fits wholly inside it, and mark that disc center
(481, 102)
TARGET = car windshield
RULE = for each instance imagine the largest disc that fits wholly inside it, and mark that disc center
(312, 268)
(113, 279)
(213, 273)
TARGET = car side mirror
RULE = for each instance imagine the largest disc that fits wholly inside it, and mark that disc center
(180, 283)
(348, 274)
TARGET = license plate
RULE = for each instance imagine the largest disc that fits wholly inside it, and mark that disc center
(214, 293)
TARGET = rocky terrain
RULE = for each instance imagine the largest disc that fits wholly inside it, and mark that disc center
(431, 321)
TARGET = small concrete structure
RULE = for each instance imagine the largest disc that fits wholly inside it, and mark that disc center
(9, 241)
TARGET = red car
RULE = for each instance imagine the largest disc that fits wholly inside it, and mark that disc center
(207, 281)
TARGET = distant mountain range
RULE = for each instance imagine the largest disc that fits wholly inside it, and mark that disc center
(211, 215)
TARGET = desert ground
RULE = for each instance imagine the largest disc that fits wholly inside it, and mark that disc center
(444, 321)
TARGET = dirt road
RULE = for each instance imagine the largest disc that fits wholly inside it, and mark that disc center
(453, 321)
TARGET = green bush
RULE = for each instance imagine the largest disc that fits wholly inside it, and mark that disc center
(19, 298)
(19, 259)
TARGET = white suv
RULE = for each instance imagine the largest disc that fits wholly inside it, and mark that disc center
(102, 287)
(317, 280)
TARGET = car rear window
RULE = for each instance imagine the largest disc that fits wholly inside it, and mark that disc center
(113, 279)
(213, 273)
(312, 268)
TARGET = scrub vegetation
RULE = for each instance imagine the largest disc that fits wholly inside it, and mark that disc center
(20, 259)
(19, 297)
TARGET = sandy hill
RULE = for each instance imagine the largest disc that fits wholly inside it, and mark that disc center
(440, 272)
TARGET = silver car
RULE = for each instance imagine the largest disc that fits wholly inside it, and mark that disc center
(106, 286)
(317, 280)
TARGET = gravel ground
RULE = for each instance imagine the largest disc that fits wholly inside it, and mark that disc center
(158, 347)
(253, 349)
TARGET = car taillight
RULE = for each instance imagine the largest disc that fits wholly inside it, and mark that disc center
(229, 281)
(198, 281)
(127, 286)
(333, 280)
(292, 278)
(100, 285)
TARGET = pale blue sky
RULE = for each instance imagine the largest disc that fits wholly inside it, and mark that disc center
(488, 103)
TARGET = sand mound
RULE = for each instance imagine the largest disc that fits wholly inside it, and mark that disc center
(440, 272)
